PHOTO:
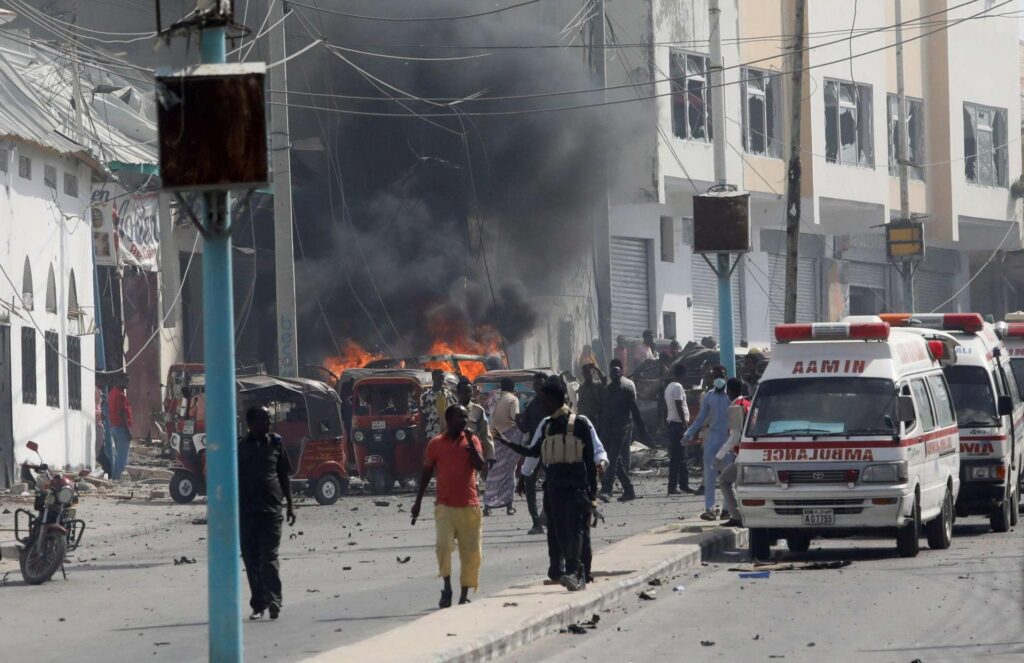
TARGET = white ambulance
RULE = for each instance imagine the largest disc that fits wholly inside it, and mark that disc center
(988, 410)
(851, 430)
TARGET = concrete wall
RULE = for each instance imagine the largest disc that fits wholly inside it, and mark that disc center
(50, 229)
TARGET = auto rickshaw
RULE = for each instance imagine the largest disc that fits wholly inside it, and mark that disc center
(387, 425)
(305, 413)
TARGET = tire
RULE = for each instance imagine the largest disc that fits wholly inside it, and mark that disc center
(760, 545)
(1015, 509)
(799, 543)
(39, 563)
(380, 480)
(908, 537)
(184, 487)
(328, 489)
(999, 519)
(940, 529)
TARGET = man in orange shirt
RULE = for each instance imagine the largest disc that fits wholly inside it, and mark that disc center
(457, 456)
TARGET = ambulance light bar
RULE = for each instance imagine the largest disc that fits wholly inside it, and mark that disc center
(832, 331)
(1010, 329)
(968, 323)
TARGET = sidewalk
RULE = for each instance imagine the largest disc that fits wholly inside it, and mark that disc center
(497, 624)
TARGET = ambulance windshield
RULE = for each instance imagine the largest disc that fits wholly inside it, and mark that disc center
(823, 407)
(1017, 365)
(972, 395)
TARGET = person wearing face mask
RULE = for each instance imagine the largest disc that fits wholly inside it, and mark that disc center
(714, 410)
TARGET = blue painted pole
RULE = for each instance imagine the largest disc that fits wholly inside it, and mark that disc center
(223, 575)
(726, 343)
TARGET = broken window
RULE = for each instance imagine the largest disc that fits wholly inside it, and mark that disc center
(915, 134)
(849, 136)
(691, 99)
(985, 150)
(762, 116)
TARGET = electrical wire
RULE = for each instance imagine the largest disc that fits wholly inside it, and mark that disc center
(995, 252)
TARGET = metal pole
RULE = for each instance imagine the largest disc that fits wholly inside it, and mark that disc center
(223, 574)
(796, 100)
(726, 343)
(602, 222)
(281, 160)
(907, 269)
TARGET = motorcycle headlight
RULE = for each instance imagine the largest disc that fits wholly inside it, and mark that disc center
(758, 474)
(400, 435)
(887, 473)
(175, 441)
(199, 441)
(358, 436)
(50, 498)
(65, 495)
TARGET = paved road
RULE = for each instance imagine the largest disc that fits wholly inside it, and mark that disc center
(961, 604)
(125, 599)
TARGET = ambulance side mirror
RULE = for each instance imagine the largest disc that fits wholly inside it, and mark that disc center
(1005, 406)
(905, 406)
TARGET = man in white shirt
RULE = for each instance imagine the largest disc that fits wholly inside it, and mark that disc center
(678, 414)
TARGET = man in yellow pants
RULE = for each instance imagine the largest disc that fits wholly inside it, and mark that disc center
(457, 456)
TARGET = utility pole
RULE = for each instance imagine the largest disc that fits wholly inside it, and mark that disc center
(602, 214)
(796, 98)
(223, 575)
(907, 268)
(726, 343)
(281, 161)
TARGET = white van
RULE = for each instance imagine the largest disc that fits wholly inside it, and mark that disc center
(851, 430)
(988, 410)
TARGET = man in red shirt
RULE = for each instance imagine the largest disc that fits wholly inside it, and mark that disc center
(120, 413)
(457, 456)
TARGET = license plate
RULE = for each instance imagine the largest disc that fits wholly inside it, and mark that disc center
(371, 460)
(819, 517)
(379, 425)
(378, 437)
(188, 428)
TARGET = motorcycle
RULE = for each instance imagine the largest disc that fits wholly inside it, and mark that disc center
(45, 537)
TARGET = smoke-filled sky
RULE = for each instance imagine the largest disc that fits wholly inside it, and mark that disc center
(395, 215)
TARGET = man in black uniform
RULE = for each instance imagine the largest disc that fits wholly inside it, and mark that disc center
(528, 422)
(565, 443)
(263, 484)
(620, 409)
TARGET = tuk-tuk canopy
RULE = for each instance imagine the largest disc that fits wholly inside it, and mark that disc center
(518, 375)
(312, 400)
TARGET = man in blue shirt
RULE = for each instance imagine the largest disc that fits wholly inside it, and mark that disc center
(714, 410)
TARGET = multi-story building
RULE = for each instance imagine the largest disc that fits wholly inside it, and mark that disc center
(962, 85)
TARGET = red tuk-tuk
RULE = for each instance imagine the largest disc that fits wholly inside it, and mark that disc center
(305, 413)
(387, 425)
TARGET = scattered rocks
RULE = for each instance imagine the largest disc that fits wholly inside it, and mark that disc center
(707, 643)
(184, 560)
(647, 595)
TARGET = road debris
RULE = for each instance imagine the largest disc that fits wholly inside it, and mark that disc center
(647, 595)
(184, 560)
(381, 503)
(707, 643)
(403, 561)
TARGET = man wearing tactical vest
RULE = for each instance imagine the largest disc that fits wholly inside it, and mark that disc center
(569, 448)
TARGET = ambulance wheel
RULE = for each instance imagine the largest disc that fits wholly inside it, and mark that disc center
(940, 529)
(328, 489)
(908, 537)
(183, 487)
(760, 545)
(380, 480)
(1015, 509)
(799, 543)
(999, 519)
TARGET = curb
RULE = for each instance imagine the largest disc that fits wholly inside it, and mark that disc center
(524, 626)
(580, 609)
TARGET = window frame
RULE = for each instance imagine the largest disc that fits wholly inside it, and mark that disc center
(70, 184)
(925, 411)
(682, 56)
(772, 116)
(25, 167)
(51, 365)
(29, 374)
(935, 382)
(862, 106)
(915, 155)
(996, 158)
(74, 360)
(50, 177)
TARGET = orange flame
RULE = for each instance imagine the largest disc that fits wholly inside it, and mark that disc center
(352, 356)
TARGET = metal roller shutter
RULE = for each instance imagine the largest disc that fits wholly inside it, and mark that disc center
(931, 290)
(808, 290)
(705, 300)
(868, 275)
(631, 300)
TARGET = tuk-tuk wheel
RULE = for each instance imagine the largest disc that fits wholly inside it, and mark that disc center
(184, 486)
(380, 480)
(328, 489)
